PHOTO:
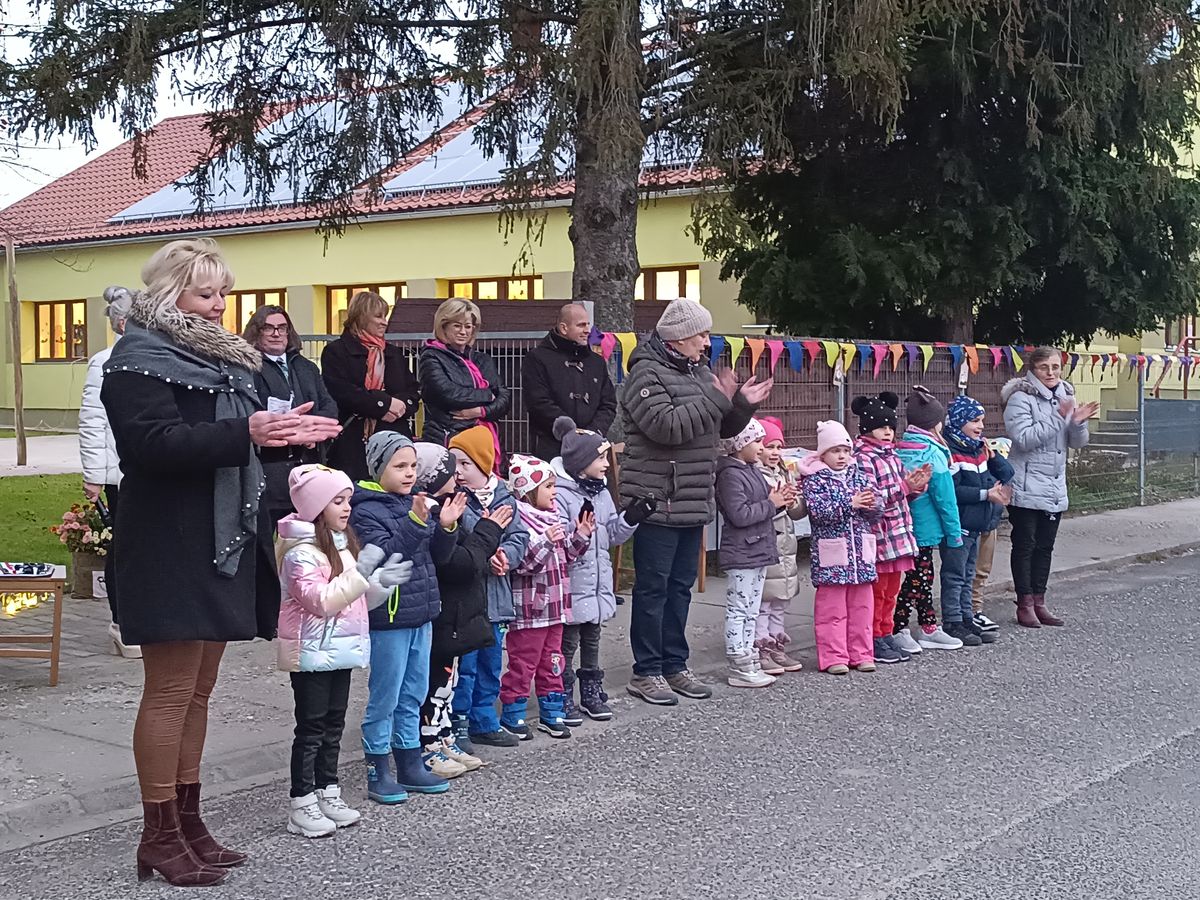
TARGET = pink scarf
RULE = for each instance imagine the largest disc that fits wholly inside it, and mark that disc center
(538, 521)
(482, 384)
(374, 380)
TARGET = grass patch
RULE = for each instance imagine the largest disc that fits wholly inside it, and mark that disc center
(29, 505)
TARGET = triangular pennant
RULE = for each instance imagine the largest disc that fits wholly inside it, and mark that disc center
(1095, 359)
(814, 349)
(832, 351)
(846, 353)
(1018, 363)
(927, 355)
(956, 355)
(972, 359)
(881, 351)
(1007, 353)
(628, 343)
(595, 336)
(776, 348)
(897, 351)
(795, 355)
(1104, 361)
(997, 355)
(1074, 363)
(757, 346)
(864, 355)
(736, 346)
(911, 350)
(716, 346)
(608, 341)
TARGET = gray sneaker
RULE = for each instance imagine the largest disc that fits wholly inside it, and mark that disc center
(687, 684)
(653, 689)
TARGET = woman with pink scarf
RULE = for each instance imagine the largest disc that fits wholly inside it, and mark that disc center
(460, 385)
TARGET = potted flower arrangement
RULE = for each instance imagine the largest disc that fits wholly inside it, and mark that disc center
(87, 538)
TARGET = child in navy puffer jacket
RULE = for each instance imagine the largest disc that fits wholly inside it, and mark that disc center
(388, 515)
(980, 487)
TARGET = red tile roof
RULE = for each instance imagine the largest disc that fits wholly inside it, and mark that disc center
(76, 208)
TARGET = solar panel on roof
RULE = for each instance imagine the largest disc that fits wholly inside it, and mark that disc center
(177, 199)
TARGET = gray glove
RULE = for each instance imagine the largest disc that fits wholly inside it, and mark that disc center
(396, 571)
(369, 558)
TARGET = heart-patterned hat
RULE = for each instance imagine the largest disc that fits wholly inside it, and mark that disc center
(527, 473)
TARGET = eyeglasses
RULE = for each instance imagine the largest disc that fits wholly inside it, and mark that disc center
(274, 329)
(460, 326)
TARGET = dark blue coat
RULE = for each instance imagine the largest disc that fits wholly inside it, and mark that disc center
(386, 520)
(974, 476)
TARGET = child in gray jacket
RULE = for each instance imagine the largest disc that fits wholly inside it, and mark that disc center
(748, 506)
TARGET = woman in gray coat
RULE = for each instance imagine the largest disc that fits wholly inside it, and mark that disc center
(1044, 422)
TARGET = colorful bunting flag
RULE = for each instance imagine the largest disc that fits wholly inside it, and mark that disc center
(736, 346)
(927, 353)
(795, 355)
(972, 358)
(628, 342)
(1018, 363)
(911, 350)
(897, 351)
(608, 341)
(956, 354)
(814, 350)
(776, 348)
(716, 346)
(757, 345)
(832, 351)
(881, 351)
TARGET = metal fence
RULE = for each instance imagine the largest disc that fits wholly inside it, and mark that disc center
(1149, 453)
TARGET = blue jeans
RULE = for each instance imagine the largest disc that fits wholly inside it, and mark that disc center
(665, 562)
(397, 685)
(479, 686)
(958, 577)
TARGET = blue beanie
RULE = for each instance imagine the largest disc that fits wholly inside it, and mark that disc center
(963, 409)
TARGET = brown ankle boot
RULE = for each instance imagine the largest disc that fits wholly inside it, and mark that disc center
(164, 850)
(203, 844)
(1026, 617)
(1044, 615)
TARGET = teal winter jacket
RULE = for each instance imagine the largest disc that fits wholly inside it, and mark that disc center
(935, 512)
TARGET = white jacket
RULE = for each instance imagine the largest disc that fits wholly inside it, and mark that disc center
(97, 449)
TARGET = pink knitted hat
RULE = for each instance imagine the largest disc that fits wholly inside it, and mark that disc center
(772, 429)
(830, 435)
(313, 486)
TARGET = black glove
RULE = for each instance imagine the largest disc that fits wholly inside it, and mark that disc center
(640, 509)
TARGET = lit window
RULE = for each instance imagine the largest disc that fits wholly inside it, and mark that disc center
(662, 285)
(526, 287)
(240, 306)
(61, 330)
(338, 299)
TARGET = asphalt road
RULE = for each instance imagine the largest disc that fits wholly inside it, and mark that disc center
(1060, 763)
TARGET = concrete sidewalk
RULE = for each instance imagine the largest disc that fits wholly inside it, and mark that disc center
(56, 454)
(69, 765)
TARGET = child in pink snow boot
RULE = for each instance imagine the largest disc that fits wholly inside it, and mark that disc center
(783, 578)
(842, 508)
(542, 594)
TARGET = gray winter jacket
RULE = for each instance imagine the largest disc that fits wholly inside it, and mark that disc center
(674, 418)
(1040, 438)
(592, 596)
(748, 532)
(514, 543)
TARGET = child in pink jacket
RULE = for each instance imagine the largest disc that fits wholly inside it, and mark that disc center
(542, 594)
(324, 635)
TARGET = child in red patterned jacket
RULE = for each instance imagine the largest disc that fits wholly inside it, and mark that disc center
(875, 451)
(542, 594)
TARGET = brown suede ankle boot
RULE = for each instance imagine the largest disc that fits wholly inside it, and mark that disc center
(164, 850)
(1044, 615)
(203, 844)
(1026, 617)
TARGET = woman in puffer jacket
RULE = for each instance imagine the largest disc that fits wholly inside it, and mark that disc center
(1044, 422)
(324, 635)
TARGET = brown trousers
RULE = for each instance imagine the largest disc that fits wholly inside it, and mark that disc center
(168, 738)
(983, 568)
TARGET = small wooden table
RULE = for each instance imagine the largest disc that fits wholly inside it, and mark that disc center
(51, 584)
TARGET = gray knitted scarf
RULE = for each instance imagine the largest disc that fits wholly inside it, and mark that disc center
(186, 350)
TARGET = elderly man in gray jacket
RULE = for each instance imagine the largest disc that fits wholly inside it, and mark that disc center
(675, 411)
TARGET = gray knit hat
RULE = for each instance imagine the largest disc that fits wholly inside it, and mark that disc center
(922, 409)
(381, 448)
(580, 447)
(683, 319)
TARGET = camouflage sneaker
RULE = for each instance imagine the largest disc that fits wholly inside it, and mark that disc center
(687, 684)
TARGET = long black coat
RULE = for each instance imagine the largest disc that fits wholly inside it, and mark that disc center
(447, 386)
(562, 378)
(170, 446)
(302, 384)
(344, 367)
(463, 624)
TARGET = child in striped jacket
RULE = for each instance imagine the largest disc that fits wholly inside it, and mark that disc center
(542, 594)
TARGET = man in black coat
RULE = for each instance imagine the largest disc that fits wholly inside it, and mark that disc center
(286, 378)
(562, 376)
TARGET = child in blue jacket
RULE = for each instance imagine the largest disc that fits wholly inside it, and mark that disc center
(980, 487)
(935, 520)
(387, 514)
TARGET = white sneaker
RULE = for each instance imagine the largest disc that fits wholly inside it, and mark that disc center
(307, 818)
(939, 640)
(903, 640)
(745, 673)
(461, 756)
(441, 765)
(334, 808)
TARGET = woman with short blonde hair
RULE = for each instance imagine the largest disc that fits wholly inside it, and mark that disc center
(461, 385)
(180, 397)
(370, 380)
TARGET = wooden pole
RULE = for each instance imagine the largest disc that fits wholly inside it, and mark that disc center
(10, 263)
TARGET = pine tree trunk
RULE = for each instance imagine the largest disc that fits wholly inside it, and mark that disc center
(608, 157)
(960, 326)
